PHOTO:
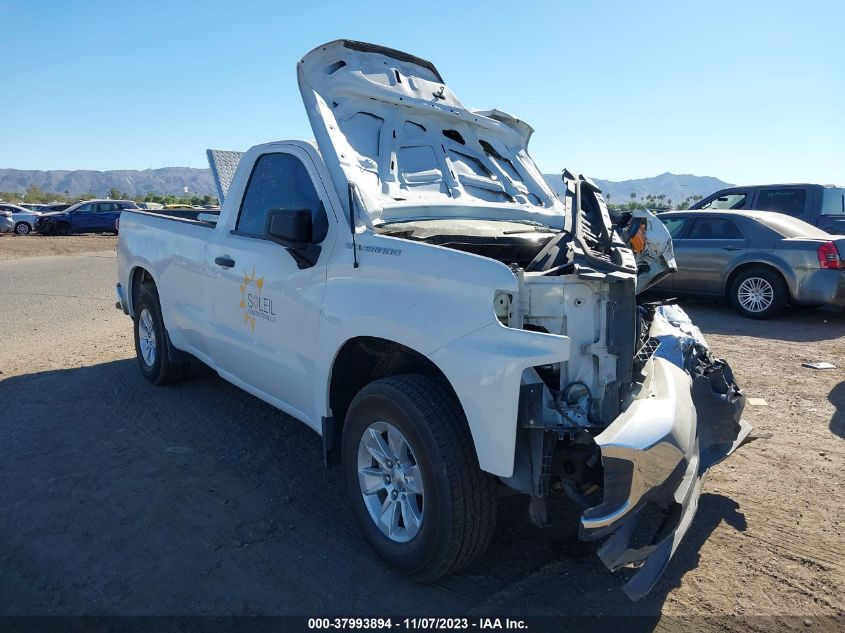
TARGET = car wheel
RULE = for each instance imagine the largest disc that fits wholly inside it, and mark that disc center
(759, 293)
(417, 493)
(22, 228)
(151, 347)
(62, 228)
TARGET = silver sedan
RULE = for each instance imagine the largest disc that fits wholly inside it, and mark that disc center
(758, 261)
(23, 220)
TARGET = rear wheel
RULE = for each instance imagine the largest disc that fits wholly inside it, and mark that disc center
(412, 476)
(759, 293)
(22, 228)
(151, 347)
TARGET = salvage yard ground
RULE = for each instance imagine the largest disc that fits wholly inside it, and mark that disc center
(18, 246)
(122, 498)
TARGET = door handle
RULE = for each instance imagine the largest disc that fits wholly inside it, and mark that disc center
(730, 248)
(225, 261)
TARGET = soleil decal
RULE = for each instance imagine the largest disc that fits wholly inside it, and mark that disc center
(255, 305)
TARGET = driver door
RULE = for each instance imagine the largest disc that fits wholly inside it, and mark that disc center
(264, 310)
(84, 218)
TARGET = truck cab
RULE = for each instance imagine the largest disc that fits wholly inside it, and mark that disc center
(820, 205)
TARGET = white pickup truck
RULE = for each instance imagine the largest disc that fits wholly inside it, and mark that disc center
(411, 288)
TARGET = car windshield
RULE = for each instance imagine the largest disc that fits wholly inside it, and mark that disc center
(789, 226)
(726, 201)
(833, 201)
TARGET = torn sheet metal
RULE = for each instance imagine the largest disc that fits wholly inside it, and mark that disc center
(651, 243)
(685, 419)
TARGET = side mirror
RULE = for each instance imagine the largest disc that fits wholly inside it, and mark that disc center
(293, 229)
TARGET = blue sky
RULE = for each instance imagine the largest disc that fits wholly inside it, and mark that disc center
(745, 91)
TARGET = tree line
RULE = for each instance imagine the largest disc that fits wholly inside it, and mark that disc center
(35, 195)
(651, 201)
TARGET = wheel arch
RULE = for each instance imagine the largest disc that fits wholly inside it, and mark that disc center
(360, 361)
(748, 265)
(138, 276)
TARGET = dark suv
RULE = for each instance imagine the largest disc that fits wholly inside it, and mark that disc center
(820, 205)
(84, 217)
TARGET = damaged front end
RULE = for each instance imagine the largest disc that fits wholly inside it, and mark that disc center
(630, 424)
(681, 419)
(679, 416)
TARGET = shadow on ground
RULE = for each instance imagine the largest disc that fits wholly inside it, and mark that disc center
(124, 498)
(837, 399)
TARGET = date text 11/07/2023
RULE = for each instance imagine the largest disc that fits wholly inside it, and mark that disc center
(417, 623)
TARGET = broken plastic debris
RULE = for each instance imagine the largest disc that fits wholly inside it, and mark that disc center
(819, 365)
(756, 402)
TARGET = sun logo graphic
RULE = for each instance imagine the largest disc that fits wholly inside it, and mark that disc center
(255, 305)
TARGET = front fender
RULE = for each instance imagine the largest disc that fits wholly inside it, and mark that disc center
(485, 369)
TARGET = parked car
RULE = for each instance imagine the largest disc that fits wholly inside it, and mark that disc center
(84, 217)
(24, 219)
(59, 206)
(757, 260)
(32, 206)
(412, 289)
(822, 206)
(7, 224)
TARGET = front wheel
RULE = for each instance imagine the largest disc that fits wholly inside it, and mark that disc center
(759, 293)
(22, 228)
(412, 476)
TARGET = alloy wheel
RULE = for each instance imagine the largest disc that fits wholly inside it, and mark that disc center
(147, 337)
(755, 294)
(391, 482)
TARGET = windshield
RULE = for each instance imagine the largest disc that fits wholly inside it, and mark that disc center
(726, 201)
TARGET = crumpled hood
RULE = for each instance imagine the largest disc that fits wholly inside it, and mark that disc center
(387, 124)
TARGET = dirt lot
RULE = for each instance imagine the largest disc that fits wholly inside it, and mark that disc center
(122, 498)
(18, 246)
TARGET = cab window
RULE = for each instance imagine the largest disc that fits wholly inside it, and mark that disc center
(833, 202)
(788, 201)
(278, 181)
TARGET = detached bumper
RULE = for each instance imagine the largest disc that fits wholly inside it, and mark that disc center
(685, 419)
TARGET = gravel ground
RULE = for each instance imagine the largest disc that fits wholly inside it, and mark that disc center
(18, 246)
(122, 498)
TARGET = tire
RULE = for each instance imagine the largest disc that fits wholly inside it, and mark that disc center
(151, 348)
(457, 507)
(759, 293)
(22, 228)
(62, 228)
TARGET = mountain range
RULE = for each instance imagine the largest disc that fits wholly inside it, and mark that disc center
(173, 180)
(676, 187)
(167, 180)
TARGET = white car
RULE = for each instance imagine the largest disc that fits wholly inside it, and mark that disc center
(23, 220)
(411, 288)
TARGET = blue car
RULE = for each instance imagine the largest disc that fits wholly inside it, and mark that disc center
(90, 216)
